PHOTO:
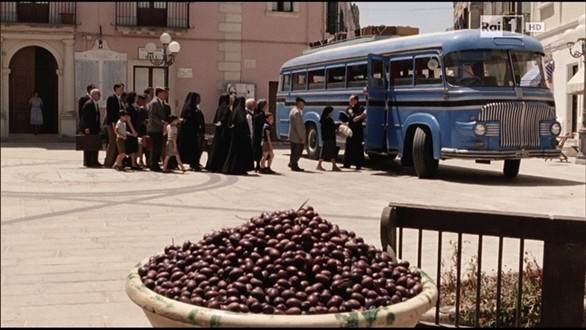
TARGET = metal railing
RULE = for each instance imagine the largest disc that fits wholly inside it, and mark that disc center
(153, 14)
(564, 256)
(48, 12)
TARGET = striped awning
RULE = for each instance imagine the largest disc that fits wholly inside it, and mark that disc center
(576, 84)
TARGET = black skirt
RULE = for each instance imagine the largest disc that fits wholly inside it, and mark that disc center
(329, 150)
(131, 144)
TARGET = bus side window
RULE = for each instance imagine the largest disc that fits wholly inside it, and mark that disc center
(376, 78)
(395, 73)
(356, 75)
(425, 75)
(336, 77)
(316, 79)
(299, 81)
(401, 72)
(286, 84)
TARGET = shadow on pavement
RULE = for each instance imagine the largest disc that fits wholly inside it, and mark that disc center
(458, 174)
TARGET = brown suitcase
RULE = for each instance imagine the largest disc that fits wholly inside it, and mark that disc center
(88, 142)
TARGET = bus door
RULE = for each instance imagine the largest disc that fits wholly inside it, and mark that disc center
(400, 82)
(376, 105)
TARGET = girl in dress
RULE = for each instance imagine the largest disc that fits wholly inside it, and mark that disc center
(36, 112)
(267, 146)
(172, 144)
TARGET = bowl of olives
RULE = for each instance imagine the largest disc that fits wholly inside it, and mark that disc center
(280, 269)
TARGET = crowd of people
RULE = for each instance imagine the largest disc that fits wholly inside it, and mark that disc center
(142, 133)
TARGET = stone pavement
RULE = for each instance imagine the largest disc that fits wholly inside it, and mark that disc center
(70, 235)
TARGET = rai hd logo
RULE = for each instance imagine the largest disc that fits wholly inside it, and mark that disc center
(496, 25)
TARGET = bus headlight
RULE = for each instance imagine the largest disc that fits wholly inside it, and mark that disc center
(479, 129)
(555, 128)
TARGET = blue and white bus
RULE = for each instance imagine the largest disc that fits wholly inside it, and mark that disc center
(436, 96)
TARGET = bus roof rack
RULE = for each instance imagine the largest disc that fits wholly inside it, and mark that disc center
(348, 42)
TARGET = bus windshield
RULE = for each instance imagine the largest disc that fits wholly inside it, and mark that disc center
(492, 68)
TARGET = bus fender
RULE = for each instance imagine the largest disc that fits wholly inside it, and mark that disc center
(423, 119)
(312, 117)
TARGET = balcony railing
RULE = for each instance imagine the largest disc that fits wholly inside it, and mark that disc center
(43, 12)
(153, 14)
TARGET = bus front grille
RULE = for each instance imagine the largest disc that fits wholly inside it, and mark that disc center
(519, 122)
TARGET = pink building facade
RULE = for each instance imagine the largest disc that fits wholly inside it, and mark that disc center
(72, 44)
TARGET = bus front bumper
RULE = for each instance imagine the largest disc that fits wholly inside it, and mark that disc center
(498, 155)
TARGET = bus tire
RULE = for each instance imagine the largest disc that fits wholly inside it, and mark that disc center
(312, 146)
(511, 167)
(423, 161)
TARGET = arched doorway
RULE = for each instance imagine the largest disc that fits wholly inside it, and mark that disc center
(33, 69)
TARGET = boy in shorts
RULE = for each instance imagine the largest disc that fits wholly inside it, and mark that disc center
(121, 134)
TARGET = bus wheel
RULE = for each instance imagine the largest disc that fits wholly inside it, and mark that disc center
(312, 145)
(511, 168)
(423, 161)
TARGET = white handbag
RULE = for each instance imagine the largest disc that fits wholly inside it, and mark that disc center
(344, 131)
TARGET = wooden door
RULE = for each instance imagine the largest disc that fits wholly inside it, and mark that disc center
(46, 82)
(22, 87)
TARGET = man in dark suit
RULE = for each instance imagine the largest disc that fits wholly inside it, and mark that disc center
(80, 104)
(90, 124)
(156, 125)
(113, 107)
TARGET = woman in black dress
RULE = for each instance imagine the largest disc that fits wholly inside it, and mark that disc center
(187, 141)
(221, 142)
(132, 141)
(240, 159)
(328, 137)
(258, 121)
(354, 151)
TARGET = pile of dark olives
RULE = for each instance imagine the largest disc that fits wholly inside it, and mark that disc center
(285, 262)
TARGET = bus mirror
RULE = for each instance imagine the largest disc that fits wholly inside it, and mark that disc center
(432, 64)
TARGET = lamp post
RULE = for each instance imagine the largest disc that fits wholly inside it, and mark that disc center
(577, 37)
(170, 49)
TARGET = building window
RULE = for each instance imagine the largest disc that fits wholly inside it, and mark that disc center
(332, 18)
(145, 76)
(152, 13)
(33, 11)
(286, 6)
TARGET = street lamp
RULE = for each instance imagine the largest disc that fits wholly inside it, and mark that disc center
(170, 49)
(577, 37)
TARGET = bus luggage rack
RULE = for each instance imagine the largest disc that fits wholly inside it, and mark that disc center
(561, 238)
(519, 121)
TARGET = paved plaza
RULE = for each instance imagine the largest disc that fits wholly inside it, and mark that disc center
(70, 235)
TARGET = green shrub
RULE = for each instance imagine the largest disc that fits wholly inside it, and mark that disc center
(530, 312)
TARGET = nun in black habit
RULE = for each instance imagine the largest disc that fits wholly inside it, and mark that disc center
(240, 158)
(221, 142)
(191, 126)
